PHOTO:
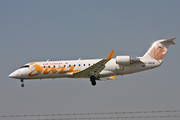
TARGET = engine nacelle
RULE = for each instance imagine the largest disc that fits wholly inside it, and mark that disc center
(124, 60)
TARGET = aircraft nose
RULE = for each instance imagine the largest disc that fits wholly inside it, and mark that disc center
(15, 74)
(12, 75)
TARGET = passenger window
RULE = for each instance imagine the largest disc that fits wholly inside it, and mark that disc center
(44, 66)
(69, 65)
(64, 65)
(49, 66)
(89, 64)
(84, 64)
(54, 66)
(74, 65)
(79, 64)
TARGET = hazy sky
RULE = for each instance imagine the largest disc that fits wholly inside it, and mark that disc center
(38, 30)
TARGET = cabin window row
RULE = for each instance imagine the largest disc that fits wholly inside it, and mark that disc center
(69, 65)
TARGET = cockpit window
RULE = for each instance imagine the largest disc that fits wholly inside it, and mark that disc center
(24, 66)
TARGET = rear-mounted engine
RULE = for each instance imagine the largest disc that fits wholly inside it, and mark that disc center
(126, 60)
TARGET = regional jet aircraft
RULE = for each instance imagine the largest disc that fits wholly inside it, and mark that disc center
(95, 69)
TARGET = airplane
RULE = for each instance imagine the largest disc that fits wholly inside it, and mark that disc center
(95, 69)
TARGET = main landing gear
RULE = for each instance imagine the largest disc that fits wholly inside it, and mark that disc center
(93, 80)
(22, 81)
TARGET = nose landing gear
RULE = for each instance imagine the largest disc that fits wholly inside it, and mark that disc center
(22, 81)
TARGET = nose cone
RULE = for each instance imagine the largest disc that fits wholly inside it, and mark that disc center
(20, 73)
(13, 75)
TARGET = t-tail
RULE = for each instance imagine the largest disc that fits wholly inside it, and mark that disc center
(159, 49)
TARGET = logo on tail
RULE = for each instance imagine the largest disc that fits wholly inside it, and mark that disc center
(157, 52)
(159, 49)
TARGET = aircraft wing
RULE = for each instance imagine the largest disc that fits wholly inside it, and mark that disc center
(94, 69)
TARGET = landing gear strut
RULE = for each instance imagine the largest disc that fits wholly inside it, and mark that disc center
(22, 85)
(93, 80)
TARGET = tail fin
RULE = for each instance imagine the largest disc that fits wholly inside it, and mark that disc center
(159, 49)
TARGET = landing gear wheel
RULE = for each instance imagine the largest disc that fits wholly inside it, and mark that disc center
(93, 83)
(22, 85)
(93, 80)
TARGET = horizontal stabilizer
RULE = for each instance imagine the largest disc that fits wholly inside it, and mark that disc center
(170, 41)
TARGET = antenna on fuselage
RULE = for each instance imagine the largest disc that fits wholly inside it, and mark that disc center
(47, 60)
(79, 59)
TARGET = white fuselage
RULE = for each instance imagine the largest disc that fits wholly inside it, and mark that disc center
(59, 69)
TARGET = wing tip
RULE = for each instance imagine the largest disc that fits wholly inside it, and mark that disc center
(112, 77)
(110, 54)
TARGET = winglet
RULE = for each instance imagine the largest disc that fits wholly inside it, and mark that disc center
(109, 78)
(110, 54)
(112, 77)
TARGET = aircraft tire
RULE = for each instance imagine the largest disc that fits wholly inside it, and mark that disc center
(93, 83)
(93, 80)
(22, 85)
